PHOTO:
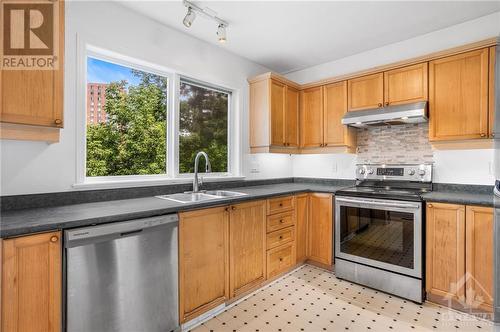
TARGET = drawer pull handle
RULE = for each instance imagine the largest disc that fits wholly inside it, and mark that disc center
(58, 121)
(54, 239)
(281, 221)
(281, 204)
(281, 259)
(281, 237)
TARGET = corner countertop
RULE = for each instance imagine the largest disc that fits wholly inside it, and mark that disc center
(33, 220)
(25, 221)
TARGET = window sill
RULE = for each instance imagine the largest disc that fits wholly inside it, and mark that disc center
(145, 182)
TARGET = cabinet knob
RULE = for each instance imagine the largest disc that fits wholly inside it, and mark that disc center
(58, 121)
(281, 221)
(493, 135)
(386, 103)
(281, 237)
(233, 207)
(379, 104)
(226, 209)
(281, 204)
(281, 259)
(429, 205)
(54, 239)
(482, 135)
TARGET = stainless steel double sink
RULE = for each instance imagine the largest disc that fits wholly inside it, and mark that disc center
(190, 197)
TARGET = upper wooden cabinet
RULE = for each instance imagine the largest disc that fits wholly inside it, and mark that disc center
(406, 85)
(247, 246)
(311, 118)
(32, 100)
(366, 92)
(320, 229)
(458, 95)
(203, 261)
(322, 110)
(334, 108)
(274, 115)
(31, 283)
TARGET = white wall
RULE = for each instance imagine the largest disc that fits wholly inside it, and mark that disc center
(36, 167)
(456, 166)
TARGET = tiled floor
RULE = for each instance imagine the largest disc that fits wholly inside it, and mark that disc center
(311, 299)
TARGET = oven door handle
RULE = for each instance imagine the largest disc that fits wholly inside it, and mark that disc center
(378, 203)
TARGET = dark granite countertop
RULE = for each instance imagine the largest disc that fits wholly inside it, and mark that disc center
(40, 219)
(24, 221)
(461, 194)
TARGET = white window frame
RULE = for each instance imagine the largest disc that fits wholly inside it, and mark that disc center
(172, 133)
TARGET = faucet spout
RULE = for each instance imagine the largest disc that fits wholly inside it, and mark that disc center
(208, 168)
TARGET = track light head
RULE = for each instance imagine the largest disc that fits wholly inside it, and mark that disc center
(221, 33)
(189, 18)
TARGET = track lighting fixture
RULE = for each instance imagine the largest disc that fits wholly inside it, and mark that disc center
(221, 33)
(189, 18)
(193, 9)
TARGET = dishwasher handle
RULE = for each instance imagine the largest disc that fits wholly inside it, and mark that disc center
(85, 235)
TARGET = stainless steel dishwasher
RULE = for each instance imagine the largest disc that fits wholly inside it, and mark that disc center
(123, 277)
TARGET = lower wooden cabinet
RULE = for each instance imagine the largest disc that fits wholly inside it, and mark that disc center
(301, 223)
(203, 261)
(320, 229)
(459, 255)
(247, 246)
(31, 283)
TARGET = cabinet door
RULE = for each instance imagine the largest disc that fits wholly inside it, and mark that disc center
(320, 228)
(302, 215)
(458, 96)
(35, 97)
(479, 257)
(491, 93)
(366, 92)
(247, 237)
(406, 85)
(312, 117)
(292, 117)
(31, 283)
(278, 91)
(335, 106)
(203, 261)
(445, 250)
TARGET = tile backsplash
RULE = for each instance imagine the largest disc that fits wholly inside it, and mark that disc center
(401, 144)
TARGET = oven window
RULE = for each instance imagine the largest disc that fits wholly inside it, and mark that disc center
(379, 235)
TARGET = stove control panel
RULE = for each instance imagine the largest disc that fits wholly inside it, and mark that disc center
(413, 172)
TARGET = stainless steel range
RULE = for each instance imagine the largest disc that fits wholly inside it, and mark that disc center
(378, 223)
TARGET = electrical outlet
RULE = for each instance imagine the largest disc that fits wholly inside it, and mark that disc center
(334, 167)
(255, 167)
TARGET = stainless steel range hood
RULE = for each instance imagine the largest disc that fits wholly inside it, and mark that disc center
(389, 115)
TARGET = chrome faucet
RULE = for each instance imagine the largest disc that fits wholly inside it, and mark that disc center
(196, 182)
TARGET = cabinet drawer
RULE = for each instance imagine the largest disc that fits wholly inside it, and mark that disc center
(280, 237)
(280, 259)
(280, 204)
(280, 221)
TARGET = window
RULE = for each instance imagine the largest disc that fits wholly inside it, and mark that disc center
(203, 126)
(145, 123)
(133, 140)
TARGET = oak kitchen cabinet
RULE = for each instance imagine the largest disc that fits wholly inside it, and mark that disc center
(393, 87)
(31, 283)
(31, 101)
(459, 254)
(203, 261)
(280, 235)
(301, 222)
(459, 96)
(247, 246)
(322, 109)
(320, 229)
(274, 115)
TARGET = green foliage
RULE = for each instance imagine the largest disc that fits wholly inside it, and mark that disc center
(132, 142)
(203, 127)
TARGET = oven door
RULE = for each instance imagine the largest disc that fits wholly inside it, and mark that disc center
(380, 233)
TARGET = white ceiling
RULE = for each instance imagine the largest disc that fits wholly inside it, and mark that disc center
(291, 35)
